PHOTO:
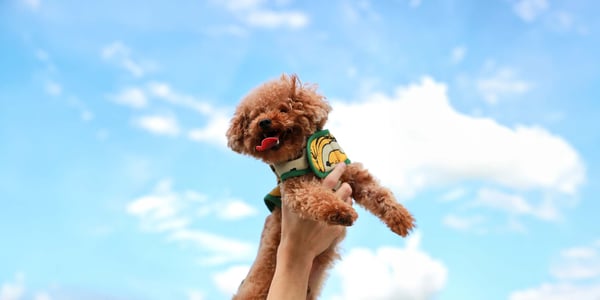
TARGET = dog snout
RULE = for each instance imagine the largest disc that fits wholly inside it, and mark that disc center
(265, 123)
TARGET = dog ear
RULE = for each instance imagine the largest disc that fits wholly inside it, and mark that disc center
(313, 104)
(236, 132)
(321, 111)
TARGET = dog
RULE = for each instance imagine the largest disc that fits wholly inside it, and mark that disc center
(281, 123)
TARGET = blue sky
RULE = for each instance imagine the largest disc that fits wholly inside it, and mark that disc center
(116, 183)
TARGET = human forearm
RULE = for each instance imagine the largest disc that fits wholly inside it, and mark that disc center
(290, 281)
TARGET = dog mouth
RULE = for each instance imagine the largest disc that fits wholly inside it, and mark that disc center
(270, 140)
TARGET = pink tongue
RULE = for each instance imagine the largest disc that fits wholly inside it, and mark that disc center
(268, 143)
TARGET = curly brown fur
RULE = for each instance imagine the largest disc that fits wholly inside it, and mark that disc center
(291, 112)
(256, 285)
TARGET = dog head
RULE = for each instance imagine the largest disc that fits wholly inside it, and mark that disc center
(273, 122)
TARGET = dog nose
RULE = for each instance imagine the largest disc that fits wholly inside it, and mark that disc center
(264, 123)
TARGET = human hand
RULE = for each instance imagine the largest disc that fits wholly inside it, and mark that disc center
(308, 238)
(301, 241)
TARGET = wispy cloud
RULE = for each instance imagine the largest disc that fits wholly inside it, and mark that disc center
(84, 112)
(119, 53)
(158, 124)
(414, 3)
(173, 214)
(578, 263)
(16, 290)
(472, 223)
(566, 22)
(391, 273)
(255, 13)
(195, 295)
(56, 89)
(576, 275)
(236, 209)
(454, 194)
(276, 19)
(514, 204)
(34, 5)
(165, 92)
(457, 55)
(167, 124)
(228, 280)
(217, 119)
(475, 215)
(498, 82)
(213, 132)
(53, 88)
(131, 96)
(529, 10)
(13, 290)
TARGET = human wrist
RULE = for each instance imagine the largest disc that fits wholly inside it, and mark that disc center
(290, 256)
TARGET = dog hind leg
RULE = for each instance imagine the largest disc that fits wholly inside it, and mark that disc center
(257, 282)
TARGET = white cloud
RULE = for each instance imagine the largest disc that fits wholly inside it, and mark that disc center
(414, 3)
(577, 263)
(42, 296)
(159, 211)
(236, 209)
(513, 204)
(579, 253)
(454, 194)
(170, 213)
(237, 5)
(221, 249)
(159, 124)
(195, 295)
(471, 223)
(229, 280)
(501, 82)
(132, 97)
(564, 21)
(53, 88)
(560, 291)
(164, 92)
(577, 276)
(13, 290)
(34, 5)
(84, 112)
(253, 13)
(275, 19)
(213, 132)
(529, 10)
(231, 29)
(458, 54)
(218, 120)
(391, 273)
(120, 54)
(423, 141)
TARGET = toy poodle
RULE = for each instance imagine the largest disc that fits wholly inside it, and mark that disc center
(281, 123)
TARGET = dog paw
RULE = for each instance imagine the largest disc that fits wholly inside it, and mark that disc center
(342, 218)
(402, 225)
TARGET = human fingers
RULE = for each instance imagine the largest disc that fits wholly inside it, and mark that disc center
(331, 181)
(344, 192)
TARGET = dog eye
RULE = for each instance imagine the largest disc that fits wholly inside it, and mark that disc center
(283, 110)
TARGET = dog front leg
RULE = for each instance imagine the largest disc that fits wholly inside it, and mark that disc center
(306, 196)
(258, 281)
(377, 199)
